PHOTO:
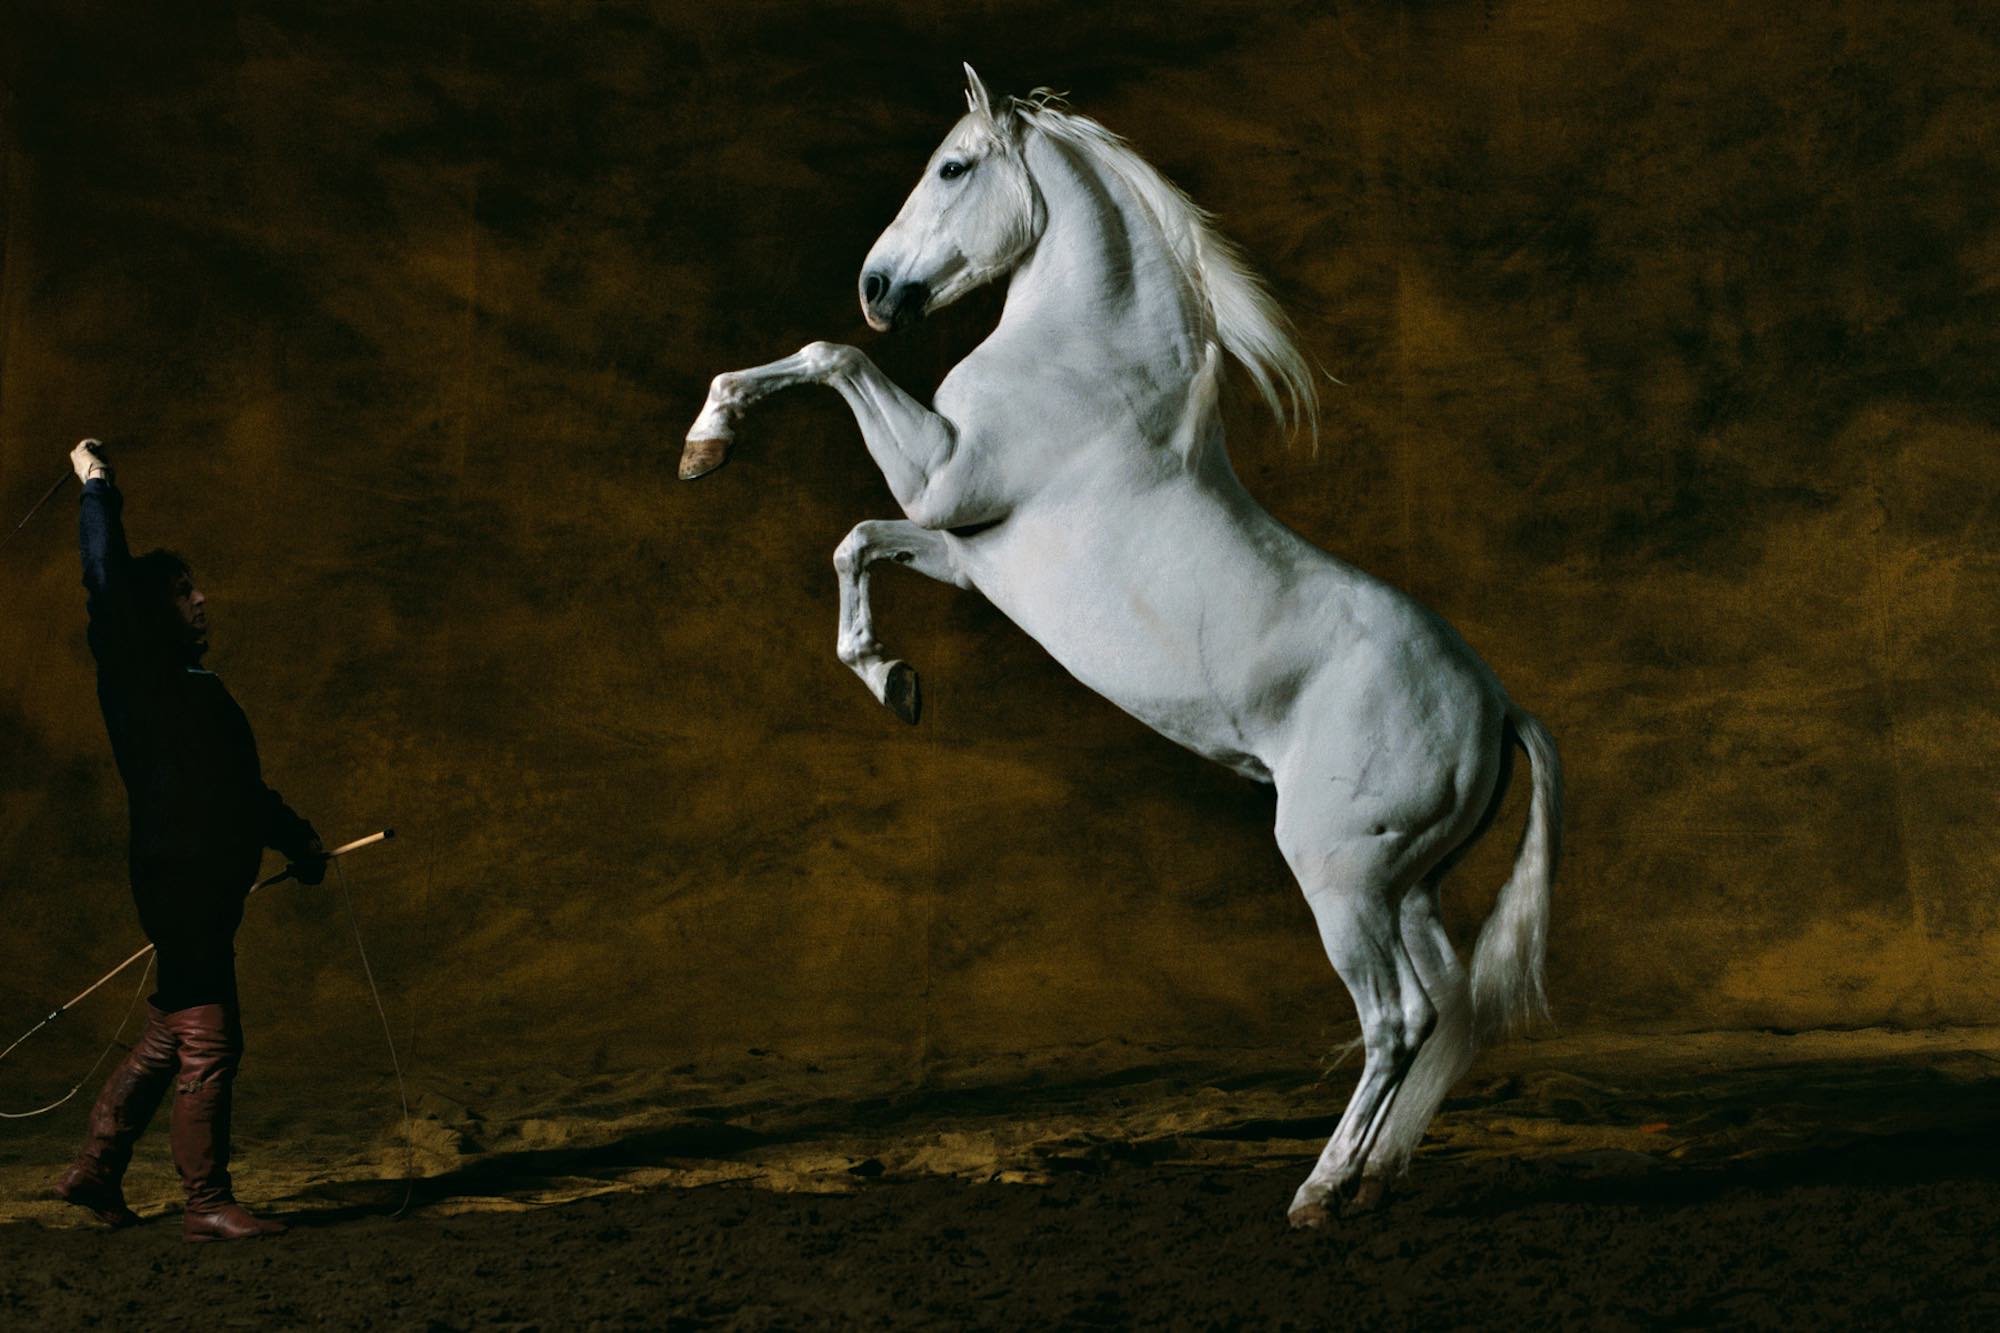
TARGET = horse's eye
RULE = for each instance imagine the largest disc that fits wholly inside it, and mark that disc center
(951, 171)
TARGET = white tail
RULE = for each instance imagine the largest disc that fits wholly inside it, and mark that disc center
(1504, 991)
(1507, 988)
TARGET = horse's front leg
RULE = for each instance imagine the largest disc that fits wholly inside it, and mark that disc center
(732, 393)
(910, 443)
(892, 681)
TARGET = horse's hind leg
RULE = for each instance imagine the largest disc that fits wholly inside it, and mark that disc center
(893, 682)
(1444, 1055)
(1353, 887)
(1449, 1050)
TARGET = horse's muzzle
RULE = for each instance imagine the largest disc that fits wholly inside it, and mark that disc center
(886, 307)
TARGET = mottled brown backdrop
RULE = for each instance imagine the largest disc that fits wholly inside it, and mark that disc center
(1668, 349)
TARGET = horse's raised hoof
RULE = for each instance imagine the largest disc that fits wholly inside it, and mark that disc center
(900, 693)
(700, 457)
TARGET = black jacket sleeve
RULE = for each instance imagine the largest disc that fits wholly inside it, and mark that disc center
(107, 577)
(127, 677)
(285, 829)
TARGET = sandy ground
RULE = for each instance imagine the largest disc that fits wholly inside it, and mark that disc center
(1754, 1181)
(1888, 1237)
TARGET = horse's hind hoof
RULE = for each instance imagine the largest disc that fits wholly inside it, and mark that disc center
(701, 457)
(900, 693)
(1308, 1216)
(1368, 1197)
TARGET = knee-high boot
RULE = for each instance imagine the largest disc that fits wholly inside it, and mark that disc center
(123, 1110)
(211, 1046)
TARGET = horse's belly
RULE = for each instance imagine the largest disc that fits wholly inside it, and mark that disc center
(1170, 634)
(1159, 683)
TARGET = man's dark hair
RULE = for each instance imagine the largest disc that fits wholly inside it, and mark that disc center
(153, 577)
(155, 573)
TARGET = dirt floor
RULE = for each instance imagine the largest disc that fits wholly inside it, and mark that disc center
(1817, 1180)
(1665, 365)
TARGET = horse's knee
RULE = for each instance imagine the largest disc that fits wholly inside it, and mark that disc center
(824, 358)
(847, 555)
(725, 390)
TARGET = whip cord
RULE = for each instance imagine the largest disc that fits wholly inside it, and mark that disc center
(395, 1062)
(145, 974)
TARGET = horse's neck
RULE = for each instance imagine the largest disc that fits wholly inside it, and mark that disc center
(1102, 274)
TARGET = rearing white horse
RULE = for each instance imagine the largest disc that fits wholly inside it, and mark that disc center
(1073, 471)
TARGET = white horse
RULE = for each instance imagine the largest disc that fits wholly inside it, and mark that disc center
(1073, 471)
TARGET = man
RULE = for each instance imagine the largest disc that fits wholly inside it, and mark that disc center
(201, 818)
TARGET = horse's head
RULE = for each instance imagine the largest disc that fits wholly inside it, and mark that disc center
(971, 218)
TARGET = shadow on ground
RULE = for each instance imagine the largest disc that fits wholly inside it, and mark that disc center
(1674, 1112)
(1750, 1180)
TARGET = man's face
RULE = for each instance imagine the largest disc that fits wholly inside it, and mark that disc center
(192, 608)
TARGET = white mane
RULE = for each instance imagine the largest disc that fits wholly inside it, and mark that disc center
(1242, 315)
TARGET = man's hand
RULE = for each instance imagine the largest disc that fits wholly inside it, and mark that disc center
(88, 460)
(309, 866)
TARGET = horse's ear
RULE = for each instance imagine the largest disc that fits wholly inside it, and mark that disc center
(976, 100)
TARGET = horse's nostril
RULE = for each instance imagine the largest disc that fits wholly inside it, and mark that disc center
(873, 285)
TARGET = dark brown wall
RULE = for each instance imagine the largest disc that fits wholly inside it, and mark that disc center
(1667, 348)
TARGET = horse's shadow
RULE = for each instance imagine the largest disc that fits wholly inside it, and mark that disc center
(1760, 1131)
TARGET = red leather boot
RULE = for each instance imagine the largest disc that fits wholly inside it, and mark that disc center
(211, 1046)
(123, 1110)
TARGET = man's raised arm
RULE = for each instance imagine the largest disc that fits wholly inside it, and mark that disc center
(107, 562)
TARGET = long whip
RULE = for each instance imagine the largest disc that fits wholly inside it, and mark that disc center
(289, 872)
(124, 447)
(395, 1061)
(145, 974)
(36, 508)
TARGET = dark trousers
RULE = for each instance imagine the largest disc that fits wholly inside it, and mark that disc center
(190, 912)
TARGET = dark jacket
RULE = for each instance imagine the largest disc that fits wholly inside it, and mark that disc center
(196, 793)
